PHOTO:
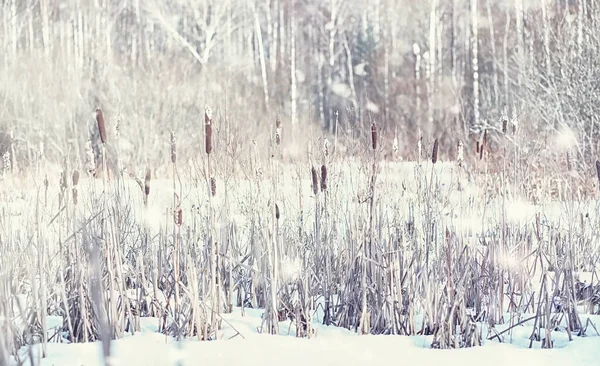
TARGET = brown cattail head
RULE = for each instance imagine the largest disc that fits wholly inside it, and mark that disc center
(477, 148)
(278, 131)
(598, 171)
(374, 136)
(173, 148)
(277, 215)
(213, 186)
(485, 138)
(208, 130)
(504, 121)
(315, 183)
(434, 154)
(323, 178)
(178, 216)
(101, 125)
(147, 182)
(75, 177)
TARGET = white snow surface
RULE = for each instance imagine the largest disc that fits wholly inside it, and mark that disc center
(330, 346)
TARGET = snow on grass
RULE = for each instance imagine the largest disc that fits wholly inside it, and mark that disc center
(331, 346)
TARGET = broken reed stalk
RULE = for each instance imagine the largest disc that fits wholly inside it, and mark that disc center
(177, 218)
(111, 252)
(272, 246)
(367, 264)
(208, 148)
(327, 318)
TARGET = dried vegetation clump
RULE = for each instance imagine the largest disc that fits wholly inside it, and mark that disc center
(394, 261)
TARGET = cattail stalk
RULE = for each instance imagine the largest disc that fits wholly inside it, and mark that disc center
(208, 147)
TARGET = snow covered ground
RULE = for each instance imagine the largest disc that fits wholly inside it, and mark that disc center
(330, 346)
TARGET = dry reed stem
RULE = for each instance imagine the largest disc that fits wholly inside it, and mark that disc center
(101, 125)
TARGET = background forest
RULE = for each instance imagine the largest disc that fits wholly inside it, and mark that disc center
(432, 69)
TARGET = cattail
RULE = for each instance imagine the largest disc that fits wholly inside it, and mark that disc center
(326, 147)
(598, 170)
(213, 186)
(101, 125)
(504, 121)
(278, 131)
(315, 183)
(477, 148)
(147, 182)
(75, 177)
(173, 148)
(514, 122)
(459, 153)
(434, 154)
(63, 180)
(374, 136)
(277, 215)
(118, 127)
(41, 151)
(569, 166)
(420, 146)
(208, 130)
(178, 216)
(323, 178)
(6, 162)
(485, 138)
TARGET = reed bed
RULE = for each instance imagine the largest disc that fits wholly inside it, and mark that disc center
(424, 248)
